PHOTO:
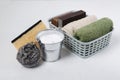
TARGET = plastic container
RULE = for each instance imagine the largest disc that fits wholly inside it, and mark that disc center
(84, 49)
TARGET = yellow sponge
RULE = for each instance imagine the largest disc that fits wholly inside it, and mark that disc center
(29, 35)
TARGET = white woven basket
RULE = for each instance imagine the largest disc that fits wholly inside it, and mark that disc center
(84, 49)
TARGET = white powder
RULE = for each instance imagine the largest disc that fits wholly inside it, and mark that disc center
(50, 38)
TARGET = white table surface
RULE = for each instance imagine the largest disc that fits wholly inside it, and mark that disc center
(18, 15)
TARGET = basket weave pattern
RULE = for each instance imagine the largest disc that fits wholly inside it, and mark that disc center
(85, 49)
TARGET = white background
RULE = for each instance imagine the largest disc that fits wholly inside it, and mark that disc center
(18, 15)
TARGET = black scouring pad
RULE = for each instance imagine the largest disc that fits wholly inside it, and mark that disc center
(29, 55)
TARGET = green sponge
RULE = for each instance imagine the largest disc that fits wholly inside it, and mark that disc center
(94, 30)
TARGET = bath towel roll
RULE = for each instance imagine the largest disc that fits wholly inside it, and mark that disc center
(72, 27)
(94, 30)
(55, 19)
(83, 22)
(62, 20)
(68, 29)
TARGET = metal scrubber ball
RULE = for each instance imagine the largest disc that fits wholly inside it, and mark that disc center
(29, 55)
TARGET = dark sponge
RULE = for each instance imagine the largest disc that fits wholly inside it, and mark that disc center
(29, 55)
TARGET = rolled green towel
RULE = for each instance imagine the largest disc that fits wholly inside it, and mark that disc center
(94, 30)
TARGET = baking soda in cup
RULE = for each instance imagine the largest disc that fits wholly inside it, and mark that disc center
(50, 41)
